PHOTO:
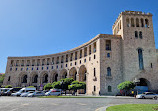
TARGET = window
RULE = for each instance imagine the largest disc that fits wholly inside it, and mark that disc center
(90, 50)
(52, 67)
(62, 59)
(94, 72)
(140, 35)
(108, 71)
(94, 56)
(66, 65)
(80, 61)
(21, 69)
(146, 23)
(42, 68)
(137, 22)
(136, 34)
(37, 68)
(10, 69)
(84, 60)
(85, 52)
(57, 66)
(70, 64)
(47, 68)
(151, 65)
(32, 68)
(75, 55)
(127, 22)
(75, 63)
(142, 23)
(61, 66)
(66, 58)
(108, 44)
(9, 78)
(94, 88)
(108, 55)
(132, 22)
(89, 58)
(140, 58)
(57, 62)
(109, 89)
(95, 47)
(80, 53)
(71, 57)
(27, 69)
(16, 69)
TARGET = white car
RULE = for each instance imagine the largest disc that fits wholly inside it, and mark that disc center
(147, 95)
(26, 94)
(37, 93)
(23, 90)
(55, 92)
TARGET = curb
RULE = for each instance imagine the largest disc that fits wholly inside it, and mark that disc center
(104, 108)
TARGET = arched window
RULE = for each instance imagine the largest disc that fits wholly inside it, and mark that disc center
(127, 22)
(140, 35)
(24, 79)
(35, 79)
(94, 72)
(9, 78)
(146, 23)
(140, 58)
(132, 22)
(94, 88)
(137, 22)
(136, 34)
(56, 77)
(109, 89)
(142, 23)
(108, 71)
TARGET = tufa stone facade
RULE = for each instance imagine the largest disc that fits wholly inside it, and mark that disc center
(103, 62)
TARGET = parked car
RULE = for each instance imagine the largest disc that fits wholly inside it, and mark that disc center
(3, 90)
(10, 91)
(23, 90)
(55, 92)
(147, 95)
(26, 93)
(37, 93)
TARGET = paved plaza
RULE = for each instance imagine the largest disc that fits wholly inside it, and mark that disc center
(65, 104)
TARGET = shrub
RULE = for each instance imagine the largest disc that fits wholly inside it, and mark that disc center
(30, 87)
(8, 86)
(127, 85)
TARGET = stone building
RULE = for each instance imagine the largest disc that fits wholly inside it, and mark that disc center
(103, 62)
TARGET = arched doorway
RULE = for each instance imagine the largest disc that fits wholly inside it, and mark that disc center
(53, 76)
(82, 76)
(142, 86)
(73, 73)
(24, 79)
(63, 73)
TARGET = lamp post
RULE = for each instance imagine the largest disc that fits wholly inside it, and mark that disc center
(136, 81)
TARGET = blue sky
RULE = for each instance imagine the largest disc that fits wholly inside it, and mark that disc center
(40, 27)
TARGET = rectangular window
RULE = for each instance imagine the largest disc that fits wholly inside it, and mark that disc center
(94, 72)
(108, 44)
(108, 55)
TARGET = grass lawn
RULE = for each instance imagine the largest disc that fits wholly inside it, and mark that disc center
(70, 97)
(134, 107)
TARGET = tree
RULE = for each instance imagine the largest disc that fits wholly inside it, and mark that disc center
(127, 85)
(57, 85)
(2, 78)
(48, 86)
(76, 85)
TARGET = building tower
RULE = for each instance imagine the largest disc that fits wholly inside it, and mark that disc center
(138, 46)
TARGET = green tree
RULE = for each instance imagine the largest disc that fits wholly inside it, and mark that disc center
(2, 78)
(76, 85)
(127, 85)
(48, 86)
(57, 85)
